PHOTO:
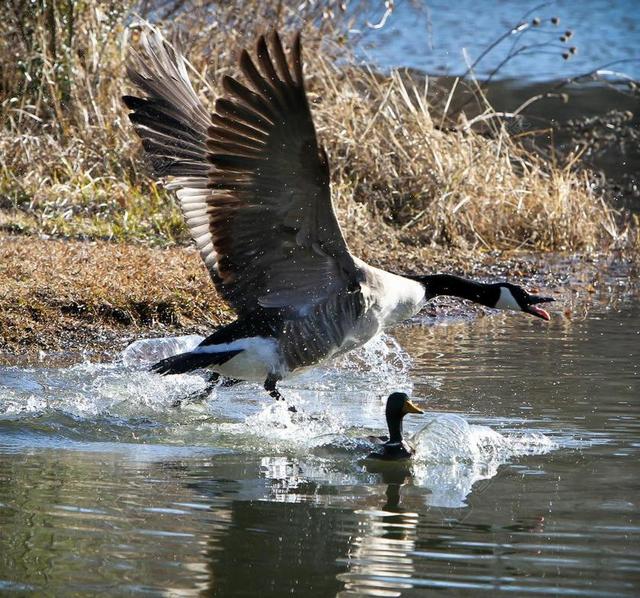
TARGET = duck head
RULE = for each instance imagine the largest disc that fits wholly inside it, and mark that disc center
(514, 297)
(396, 449)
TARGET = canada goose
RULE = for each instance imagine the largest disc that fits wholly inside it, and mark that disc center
(253, 185)
(395, 448)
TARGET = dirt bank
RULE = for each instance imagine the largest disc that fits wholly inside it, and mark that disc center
(95, 297)
(59, 295)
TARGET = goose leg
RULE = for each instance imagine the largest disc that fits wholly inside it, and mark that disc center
(198, 395)
(229, 382)
(270, 387)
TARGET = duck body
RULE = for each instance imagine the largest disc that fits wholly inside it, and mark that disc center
(393, 451)
(254, 187)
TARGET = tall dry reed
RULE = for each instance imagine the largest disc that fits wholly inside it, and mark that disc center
(70, 164)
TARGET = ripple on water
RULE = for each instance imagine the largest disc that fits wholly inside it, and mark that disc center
(99, 402)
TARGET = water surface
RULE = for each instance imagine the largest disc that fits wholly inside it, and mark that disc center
(526, 481)
(444, 38)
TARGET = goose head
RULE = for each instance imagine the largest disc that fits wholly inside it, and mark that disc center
(396, 449)
(514, 297)
(498, 295)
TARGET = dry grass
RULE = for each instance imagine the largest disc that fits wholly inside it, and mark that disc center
(71, 166)
(451, 188)
(406, 183)
(59, 294)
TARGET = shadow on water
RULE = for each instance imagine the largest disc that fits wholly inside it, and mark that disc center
(525, 479)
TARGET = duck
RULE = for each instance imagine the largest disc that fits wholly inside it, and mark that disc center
(253, 183)
(394, 447)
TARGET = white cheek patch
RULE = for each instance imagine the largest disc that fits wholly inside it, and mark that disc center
(507, 300)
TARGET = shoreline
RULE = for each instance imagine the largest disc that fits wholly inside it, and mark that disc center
(83, 295)
(77, 300)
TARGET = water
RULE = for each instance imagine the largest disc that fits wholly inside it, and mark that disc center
(525, 481)
(430, 36)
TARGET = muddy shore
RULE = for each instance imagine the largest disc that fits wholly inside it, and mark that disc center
(80, 296)
(72, 300)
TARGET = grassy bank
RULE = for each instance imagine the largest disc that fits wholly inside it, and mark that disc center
(71, 166)
(405, 174)
(59, 295)
(94, 296)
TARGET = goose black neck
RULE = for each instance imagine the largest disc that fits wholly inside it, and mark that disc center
(455, 286)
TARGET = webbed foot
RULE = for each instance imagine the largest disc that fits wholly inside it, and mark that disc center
(270, 387)
(199, 395)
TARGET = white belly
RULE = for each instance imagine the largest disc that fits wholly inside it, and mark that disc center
(259, 357)
(391, 299)
(244, 366)
(399, 299)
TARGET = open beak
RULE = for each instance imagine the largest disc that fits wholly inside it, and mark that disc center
(409, 407)
(534, 310)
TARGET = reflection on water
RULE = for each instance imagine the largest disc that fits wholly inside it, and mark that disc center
(525, 478)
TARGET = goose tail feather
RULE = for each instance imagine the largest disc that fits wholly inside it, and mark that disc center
(192, 360)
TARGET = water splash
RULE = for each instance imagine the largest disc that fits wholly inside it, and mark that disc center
(149, 350)
(88, 391)
(338, 404)
(379, 365)
(452, 455)
(116, 395)
(451, 439)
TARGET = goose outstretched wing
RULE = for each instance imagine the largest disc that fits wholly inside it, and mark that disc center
(273, 225)
(255, 189)
(172, 123)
